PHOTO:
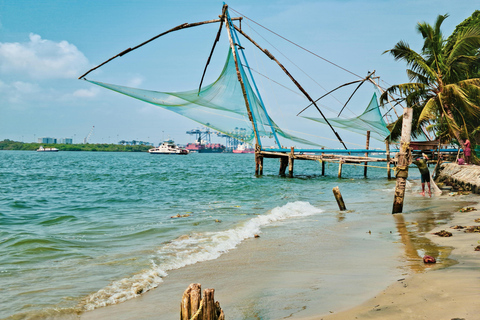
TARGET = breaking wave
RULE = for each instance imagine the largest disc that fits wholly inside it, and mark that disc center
(190, 249)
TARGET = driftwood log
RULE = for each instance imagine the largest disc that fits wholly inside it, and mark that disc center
(193, 307)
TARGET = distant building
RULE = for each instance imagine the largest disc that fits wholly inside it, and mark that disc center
(47, 140)
(66, 141)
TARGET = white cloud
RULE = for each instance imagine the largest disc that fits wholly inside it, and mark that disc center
(86, 93)
(19, 92)
(135, 82)
(25, 87)
(42, 59)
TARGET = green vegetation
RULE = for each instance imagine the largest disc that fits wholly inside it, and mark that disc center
(445, 86)
(15, 145)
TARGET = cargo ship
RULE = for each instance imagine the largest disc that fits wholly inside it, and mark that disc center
(205, 147)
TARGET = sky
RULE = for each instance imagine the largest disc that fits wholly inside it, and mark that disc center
(46, 45)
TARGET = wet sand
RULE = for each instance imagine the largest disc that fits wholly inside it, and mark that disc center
(439, 293)
(282, 274)
(256, 282)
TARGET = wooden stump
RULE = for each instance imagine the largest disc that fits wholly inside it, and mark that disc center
(193, 307)
(339, 198)
(190, 301)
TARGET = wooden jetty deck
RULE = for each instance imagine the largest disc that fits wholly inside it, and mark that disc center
(287, 158)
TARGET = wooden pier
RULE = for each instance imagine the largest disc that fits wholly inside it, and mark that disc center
(287, 159)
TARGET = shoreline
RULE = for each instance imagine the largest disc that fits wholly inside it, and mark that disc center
(404, 299)
(443, 292)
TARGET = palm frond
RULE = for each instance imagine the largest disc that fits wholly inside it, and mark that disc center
(429, 111)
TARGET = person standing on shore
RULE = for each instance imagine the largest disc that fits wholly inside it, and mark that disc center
(422, 165)
(467, 152)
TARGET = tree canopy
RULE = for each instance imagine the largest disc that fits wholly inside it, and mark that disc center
(444, 87)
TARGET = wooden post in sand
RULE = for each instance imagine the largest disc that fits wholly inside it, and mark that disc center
(366, 154)
(339, 198)
(193, 307)
(403, 161)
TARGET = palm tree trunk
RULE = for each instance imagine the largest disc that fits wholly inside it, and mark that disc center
(455, 131)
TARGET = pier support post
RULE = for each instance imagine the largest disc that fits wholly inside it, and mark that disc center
(339, 198)
(323, 164)
(258, 164)
(366, 154)
(387, 148)
(404, 155)
(283, 165)
(340, 168)
(290, 163)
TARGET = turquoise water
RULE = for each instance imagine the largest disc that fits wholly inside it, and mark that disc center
(81, 230)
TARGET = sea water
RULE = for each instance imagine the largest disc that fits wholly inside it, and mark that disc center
(84, 230)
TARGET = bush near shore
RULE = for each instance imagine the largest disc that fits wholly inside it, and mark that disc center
(16, 145)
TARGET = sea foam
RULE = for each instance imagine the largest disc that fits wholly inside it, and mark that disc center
(187, 250)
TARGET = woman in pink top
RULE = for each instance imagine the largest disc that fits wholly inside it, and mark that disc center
(467, 151)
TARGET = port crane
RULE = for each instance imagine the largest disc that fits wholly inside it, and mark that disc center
(85, 140)
(233, 138)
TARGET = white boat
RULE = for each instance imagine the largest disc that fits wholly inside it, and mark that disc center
(168, 147)
(244, 148)
(42, 149)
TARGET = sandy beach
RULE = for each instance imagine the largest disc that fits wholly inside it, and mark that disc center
(445, 290)
(439, 293)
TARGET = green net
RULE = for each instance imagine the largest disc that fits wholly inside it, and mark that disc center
(220, 106)
(371, 119)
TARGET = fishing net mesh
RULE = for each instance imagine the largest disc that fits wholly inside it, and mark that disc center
(371, 119)
(220, 106)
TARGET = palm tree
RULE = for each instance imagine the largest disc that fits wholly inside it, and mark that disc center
(443, 91)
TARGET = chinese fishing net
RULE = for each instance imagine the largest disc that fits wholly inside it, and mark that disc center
(220, 106)
(371, 119)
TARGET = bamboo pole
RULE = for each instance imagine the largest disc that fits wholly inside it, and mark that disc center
(366, 154)
(403, 161)
(179, 27)
(239, 77)
(293, 80)
(387, 148)
(217, 38)
(339, 198)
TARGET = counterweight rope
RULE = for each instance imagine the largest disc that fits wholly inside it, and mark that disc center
(297, 45)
